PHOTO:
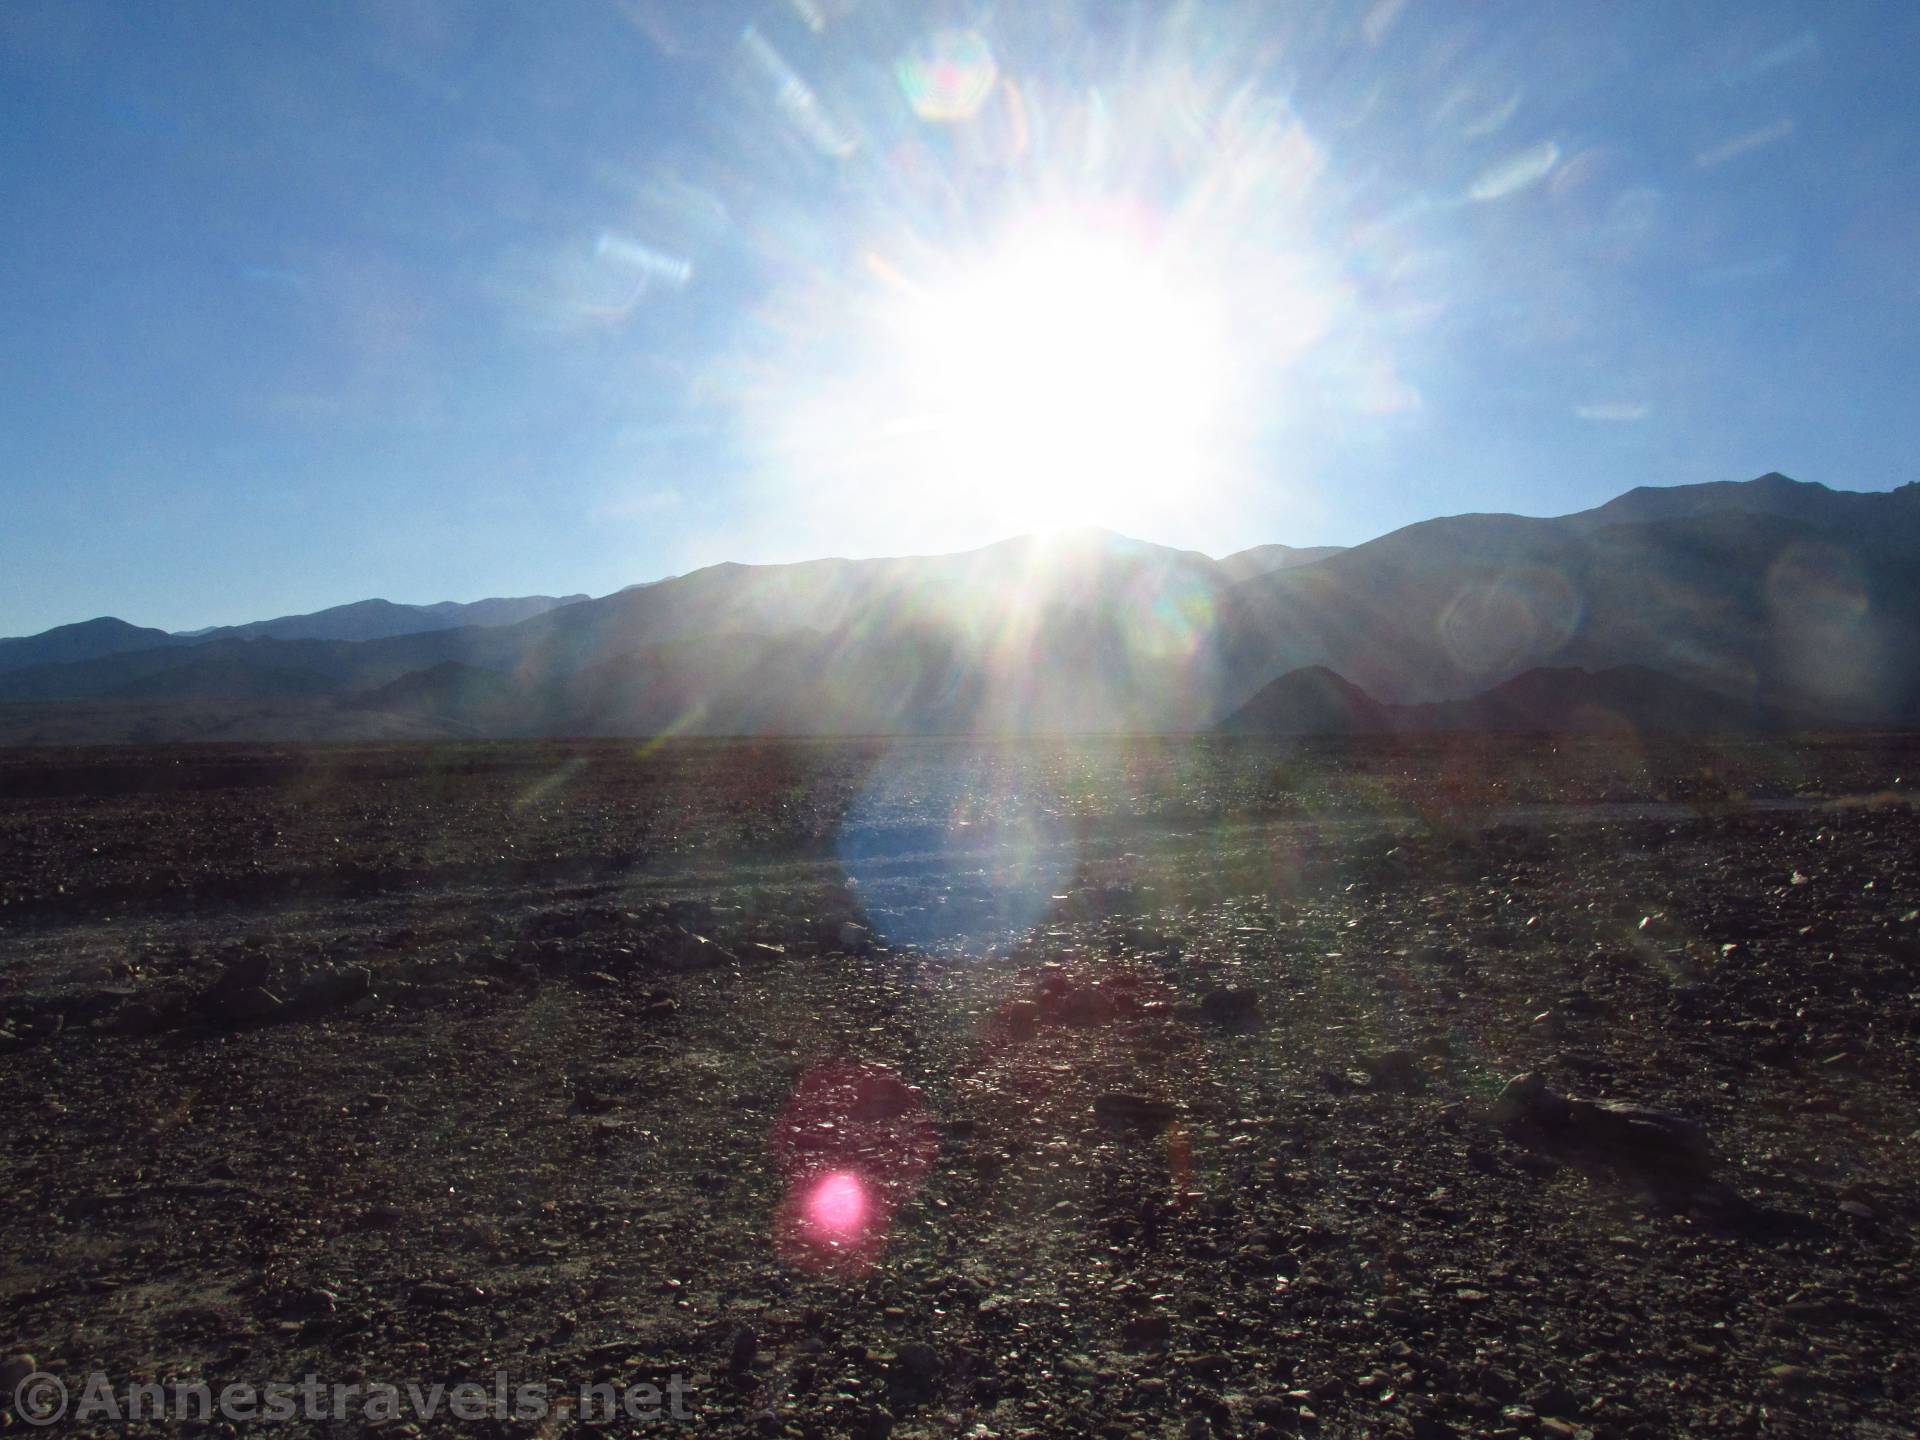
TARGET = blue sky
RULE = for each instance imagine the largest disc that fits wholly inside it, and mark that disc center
(430, 300)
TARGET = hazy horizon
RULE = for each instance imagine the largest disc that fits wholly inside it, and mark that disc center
(1037, 535)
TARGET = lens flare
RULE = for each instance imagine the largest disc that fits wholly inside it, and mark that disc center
(946, 851)
(854, 1144)
(838, 1207)
(949, 76)
(1520, 618)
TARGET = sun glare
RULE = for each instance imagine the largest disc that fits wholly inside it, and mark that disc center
(1073, 374)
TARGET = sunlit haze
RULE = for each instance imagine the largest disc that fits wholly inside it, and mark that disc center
(1067, 375)
(435, 301)
(1123, 718)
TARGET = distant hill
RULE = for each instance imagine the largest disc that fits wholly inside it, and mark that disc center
(1817, 610)
(1789, 603)
(362, 620)
(1265, 559)
(378, 619)
(86, 640)
(1805, 502)
(1310, 701)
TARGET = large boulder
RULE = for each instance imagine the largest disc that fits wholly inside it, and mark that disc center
(1654, 1134)
(1637, 1132)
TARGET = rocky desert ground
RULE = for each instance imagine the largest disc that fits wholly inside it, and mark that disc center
(1193, 1087)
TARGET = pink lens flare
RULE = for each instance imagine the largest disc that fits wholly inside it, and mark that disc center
(834, 1222)
(854, 1144)
(838, 1206)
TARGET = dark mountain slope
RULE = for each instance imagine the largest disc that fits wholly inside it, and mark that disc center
(226, 676)
(87, 640)
(378, 619)
(1817, 611)
(1894, 514)
(362, 620)
(1310, 701)
(1628, 698)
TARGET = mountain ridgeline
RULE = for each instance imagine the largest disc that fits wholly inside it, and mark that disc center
(1765, 604)
(361, 620)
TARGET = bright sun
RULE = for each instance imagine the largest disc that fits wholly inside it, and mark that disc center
(1073, 376)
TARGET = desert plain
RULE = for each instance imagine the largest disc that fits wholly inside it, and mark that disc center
(1188, 1086)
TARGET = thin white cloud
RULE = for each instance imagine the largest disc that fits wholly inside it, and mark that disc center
(1741, 144)
(1804, 46)
(1517, 172)
(1615, 412)
(1381, 19)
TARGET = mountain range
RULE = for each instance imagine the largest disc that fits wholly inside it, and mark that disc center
(1762, 603)
(361, 620)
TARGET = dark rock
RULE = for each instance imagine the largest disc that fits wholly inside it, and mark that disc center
(13, 1371)
(249, 1005)
(1147, 1332)
(589, 1101)
(434, 1295)
(1274, 1409)
(1654, 1134)
(91, 1005)
(313, 1304)
(1340, 1082)
(742, 1347)
(332, 986)
(1022, 1019)
(1520, 1098)
(1638, 1131)
(684, 950)
(916, 1367)
(1500, 1384)
(689, 914)
(1236, 1008)
(248, 972)
(1552, 1399)
(1081, 1006)
(149, 1014)
(1393, 1070)
(1137, 1111)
